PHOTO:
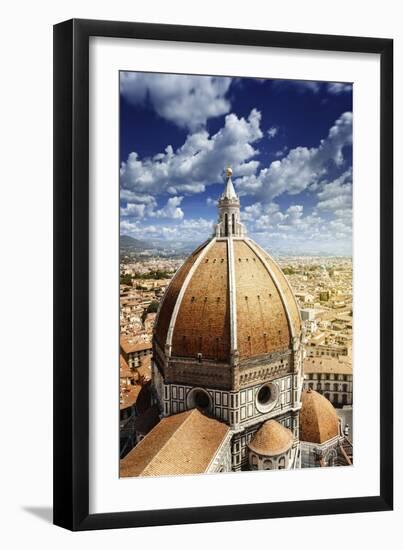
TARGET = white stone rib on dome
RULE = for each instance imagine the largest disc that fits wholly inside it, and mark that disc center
(232, 296)
(183, 290)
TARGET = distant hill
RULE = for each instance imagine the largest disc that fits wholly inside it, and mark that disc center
(161, 247)
(130, 244)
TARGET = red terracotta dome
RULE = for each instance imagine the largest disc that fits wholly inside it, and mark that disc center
(318, 418)
(271, 439)
(228, 296)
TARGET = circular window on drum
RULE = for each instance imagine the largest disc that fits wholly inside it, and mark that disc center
(266, 397)
(200, 399)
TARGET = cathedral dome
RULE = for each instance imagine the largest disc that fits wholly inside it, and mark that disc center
(318, 418)
(271, 439)
(229, 299)
(229, 296)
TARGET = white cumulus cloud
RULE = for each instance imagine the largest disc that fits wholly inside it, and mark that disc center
(337, 88)
(336, 195)
(272, 132)
(194, 230)
(186, 100)
(171, 209)
(302, 167)
(197, 163)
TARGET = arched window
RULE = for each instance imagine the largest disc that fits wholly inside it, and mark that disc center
(267, 464)
(226, 224)
(281, 463)
(233, 224)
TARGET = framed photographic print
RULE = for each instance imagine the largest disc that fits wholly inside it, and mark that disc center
(223, 274)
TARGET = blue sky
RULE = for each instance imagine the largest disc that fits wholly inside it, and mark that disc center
(288, 142)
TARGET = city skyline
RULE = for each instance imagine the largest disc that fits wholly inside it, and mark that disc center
(232, 362)
(289, 144)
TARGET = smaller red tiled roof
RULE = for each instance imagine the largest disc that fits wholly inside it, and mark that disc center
(130, 345)
(318, 418)
(184, 443)
(271, 439)
(330, 365)
(124, 371)
(144, 372)
(129, 395)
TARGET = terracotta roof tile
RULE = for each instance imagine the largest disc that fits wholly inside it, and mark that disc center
(286, 289)
(202, 325)
(128, 345)
(271, 439)
(261, 319)
(124, 371)
(318, 419)
(183, 443)
(335, 365)
(129, 396)
(170, 297)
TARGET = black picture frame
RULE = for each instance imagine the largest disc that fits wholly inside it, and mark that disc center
(71, 274)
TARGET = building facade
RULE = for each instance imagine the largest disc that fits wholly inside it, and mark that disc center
(331, 377)
(135, 351)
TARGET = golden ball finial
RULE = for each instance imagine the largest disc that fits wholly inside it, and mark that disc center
(229, 172)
